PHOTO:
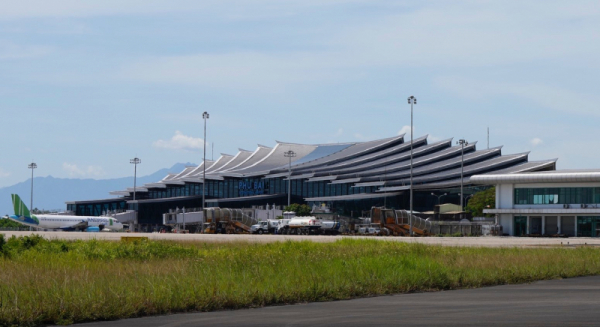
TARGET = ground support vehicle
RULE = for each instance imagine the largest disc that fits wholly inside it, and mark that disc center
(329, 227)
(269, 226)
(368, 229)
(300, 226)
(225, 227)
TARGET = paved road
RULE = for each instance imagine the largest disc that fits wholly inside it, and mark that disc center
(446, 241)
(568, 302)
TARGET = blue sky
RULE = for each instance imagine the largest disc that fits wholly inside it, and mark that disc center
(87, 85)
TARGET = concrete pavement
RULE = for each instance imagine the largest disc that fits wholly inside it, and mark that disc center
(567, 302)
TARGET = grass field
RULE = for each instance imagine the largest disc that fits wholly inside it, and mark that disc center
(45, 282)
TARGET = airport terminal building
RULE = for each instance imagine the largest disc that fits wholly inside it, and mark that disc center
(563, 202)
(348, 178)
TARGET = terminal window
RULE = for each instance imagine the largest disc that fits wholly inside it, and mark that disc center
(557, 195)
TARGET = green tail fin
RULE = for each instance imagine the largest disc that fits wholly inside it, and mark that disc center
(20, 207)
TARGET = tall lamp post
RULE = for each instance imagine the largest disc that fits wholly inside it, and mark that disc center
(31, 166)
(135, 161)
(289, 154)
(205, 117)
(462, 143)
(439, 196)
(412, 101)
(467, 198)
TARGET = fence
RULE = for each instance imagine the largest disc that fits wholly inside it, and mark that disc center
(456, 228)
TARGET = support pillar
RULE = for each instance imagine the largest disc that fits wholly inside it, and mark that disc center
(543, 225)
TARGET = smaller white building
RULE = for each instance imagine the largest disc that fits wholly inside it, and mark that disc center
(546, 203)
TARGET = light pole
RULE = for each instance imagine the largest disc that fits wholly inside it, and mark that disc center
(467, 198)
(439, 196)
(135, 161)
(31, 166)
(462, 143)
(205, 117)
(289, 154)
(412, 101)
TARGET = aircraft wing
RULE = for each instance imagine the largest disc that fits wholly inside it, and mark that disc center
(81, 225)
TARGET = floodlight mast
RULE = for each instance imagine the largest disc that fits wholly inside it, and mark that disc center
(205, 116)
(412, 101)
(135, 161)
(467, 199)
(31, 166)
(289, 154)
(439, 196)
(462, 143)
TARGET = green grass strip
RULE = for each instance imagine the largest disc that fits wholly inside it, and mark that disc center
(62, 282)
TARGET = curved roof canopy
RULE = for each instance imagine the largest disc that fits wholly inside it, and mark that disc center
(557, 176)
(384, 163)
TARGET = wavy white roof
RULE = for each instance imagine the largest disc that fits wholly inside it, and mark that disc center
(557, 176)
(384, 163)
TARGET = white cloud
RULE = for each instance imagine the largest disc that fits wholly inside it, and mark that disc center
(536, 141)
(339, 132)
(75, 8)
(406, 130)
(432, 34)
(547, 96)
(9, 50)
(232, 9)
(433, 139)
(474, 34)
(90, 171)
(240, 71)
(4, 173)
(360, 136)
(180, 142)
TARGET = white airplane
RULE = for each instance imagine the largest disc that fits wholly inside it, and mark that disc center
(23, 216)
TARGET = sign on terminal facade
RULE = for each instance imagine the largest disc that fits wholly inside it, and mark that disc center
(250, 188)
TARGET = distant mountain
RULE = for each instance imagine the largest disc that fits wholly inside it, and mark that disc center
(51, 193)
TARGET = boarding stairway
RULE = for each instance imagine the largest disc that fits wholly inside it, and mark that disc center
(398, 222)
(236, 220)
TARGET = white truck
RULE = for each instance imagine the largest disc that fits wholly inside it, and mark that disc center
(269, 226)
(300, 226)
(329, 227)
(368, 229)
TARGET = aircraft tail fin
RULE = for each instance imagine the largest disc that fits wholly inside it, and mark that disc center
(20, 207)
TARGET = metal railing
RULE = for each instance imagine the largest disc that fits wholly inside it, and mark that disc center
(403, 217)
(237, 215)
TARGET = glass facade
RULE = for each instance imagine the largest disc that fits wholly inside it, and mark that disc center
(97, 208)
(557, 195)
(520, 224)
(152, 204)
(588, 226)
(234, 188)
(552, 225)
